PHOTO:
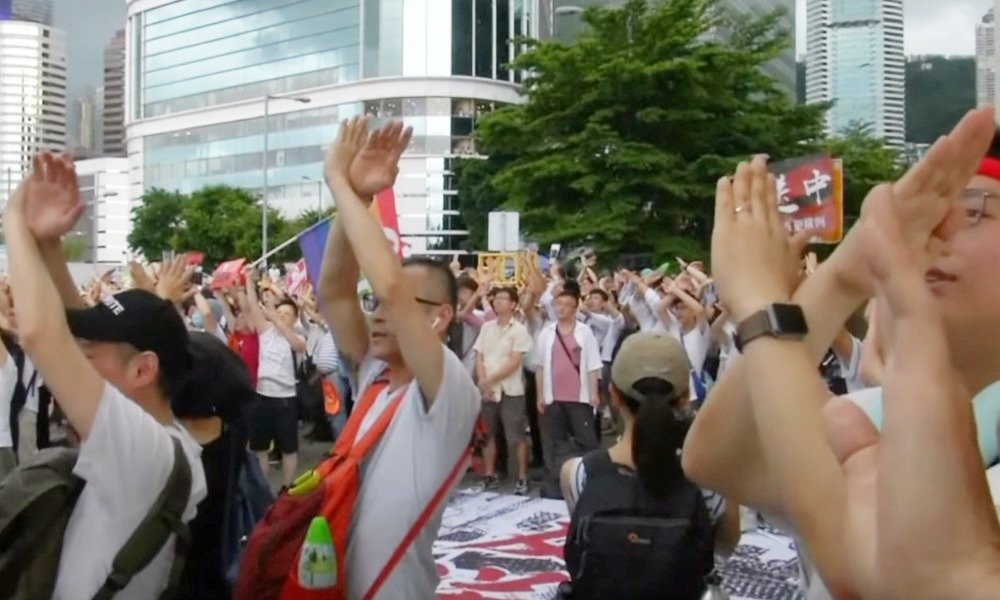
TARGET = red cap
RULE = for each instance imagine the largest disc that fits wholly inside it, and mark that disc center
(989, 167)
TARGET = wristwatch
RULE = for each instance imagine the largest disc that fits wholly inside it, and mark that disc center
(781, 321)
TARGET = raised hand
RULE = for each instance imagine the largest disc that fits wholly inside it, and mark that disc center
(141, 278)
(376, 164)
(351, 138)
(174, 282)
(926, 198)
(51, 197)
(925, 463)
(754, 260)
(8, 322)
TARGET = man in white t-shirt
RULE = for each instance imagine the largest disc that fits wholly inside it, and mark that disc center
(413, 307)
(114, 388)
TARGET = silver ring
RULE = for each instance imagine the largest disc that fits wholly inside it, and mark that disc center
(740, 209)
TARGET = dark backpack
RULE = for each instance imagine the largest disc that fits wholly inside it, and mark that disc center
(36, 501)
(623, 543)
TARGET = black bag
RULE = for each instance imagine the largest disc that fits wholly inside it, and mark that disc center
(624, 543)
(308, 389)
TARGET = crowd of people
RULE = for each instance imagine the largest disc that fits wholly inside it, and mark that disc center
(841, 400)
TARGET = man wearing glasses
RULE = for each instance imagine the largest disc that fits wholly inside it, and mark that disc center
(435, 401)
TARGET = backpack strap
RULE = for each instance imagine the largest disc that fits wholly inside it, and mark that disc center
(598, 463)
(163, 520)
(418, 525)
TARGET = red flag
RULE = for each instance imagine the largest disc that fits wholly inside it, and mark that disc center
(229, 274)
(384, 209)
(297, 276)
(195, 258)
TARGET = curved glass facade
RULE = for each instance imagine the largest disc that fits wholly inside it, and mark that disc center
(195, 56)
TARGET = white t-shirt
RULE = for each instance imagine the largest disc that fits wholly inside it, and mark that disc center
(403, 472)
(125, 461)
(8, 380)
(276, 371)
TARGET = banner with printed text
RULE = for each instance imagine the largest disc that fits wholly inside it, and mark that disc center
(811, 196)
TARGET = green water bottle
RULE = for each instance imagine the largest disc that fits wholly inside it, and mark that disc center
(318, 560)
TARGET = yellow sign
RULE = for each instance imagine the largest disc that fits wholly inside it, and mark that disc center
(507, 268)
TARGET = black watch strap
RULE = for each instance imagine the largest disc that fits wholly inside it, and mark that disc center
(753, 327)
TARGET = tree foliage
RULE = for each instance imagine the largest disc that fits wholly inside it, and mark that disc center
(868, 161)
(223, 222)
(623, 134)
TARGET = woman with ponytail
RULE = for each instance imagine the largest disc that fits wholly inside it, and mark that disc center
(641, 474)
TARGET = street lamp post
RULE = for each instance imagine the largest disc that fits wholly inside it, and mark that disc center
(267, 133)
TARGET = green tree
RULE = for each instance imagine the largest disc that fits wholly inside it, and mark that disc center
(868, 161)
(155, 221)
(74, 248)
(225, 223)
(221, 221)
(623, 134)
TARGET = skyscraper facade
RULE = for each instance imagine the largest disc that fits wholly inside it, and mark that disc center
(113, 117)
(32, 88)
(213, 84)
(562, 20)
(855, 60)
(986, 60)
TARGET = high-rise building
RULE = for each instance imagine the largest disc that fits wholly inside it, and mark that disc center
(35, 11)
(105, 225)
(986, 60)
(32, 88)
(562, 20)
(855, 60)
(113, 118)
(86, 139)
(202, 74)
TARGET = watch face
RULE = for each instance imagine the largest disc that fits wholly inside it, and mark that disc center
(788, 319)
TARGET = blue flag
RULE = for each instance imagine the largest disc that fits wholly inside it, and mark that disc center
(312, 242)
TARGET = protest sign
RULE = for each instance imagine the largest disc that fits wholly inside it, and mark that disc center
(228, 274)
(811, 196)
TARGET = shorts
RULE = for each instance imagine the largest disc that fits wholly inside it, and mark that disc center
(277, 420)
(513, 412)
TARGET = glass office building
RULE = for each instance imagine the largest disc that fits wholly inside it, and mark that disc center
(855, 60)
(202, 74)
(32, 88)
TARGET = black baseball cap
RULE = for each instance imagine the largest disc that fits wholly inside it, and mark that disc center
(141, 319)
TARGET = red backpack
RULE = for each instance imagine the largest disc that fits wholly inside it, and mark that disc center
(269, 569)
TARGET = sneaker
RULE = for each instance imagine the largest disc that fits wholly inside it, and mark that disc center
(491, 482)
(521, 489)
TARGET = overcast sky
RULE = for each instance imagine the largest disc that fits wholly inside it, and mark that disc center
(932, 27)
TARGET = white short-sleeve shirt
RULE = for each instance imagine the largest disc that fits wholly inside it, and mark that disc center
(403, 472)
(125, 461)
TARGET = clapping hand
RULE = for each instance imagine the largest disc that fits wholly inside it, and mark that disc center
(925, 463)
(174, 281)
(754, 259)
(140, 277)
(375, 158)
(51, 197)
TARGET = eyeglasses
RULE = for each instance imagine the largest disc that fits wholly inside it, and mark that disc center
(974, 204)
(370, 302)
